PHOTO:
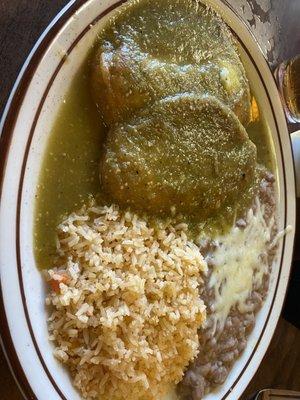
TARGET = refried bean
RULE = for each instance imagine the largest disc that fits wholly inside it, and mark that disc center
(220, 348)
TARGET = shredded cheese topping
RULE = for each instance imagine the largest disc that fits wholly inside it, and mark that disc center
(240, 264)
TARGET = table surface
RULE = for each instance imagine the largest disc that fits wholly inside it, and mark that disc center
(21, 23)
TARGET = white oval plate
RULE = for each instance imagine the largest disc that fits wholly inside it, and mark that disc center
(26, 125)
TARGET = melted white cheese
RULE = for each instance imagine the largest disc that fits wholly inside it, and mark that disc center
(240, 262)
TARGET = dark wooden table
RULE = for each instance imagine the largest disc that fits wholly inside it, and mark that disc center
(21, 23)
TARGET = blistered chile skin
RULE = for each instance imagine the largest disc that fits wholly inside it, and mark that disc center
(185, 153)
(154, 49)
